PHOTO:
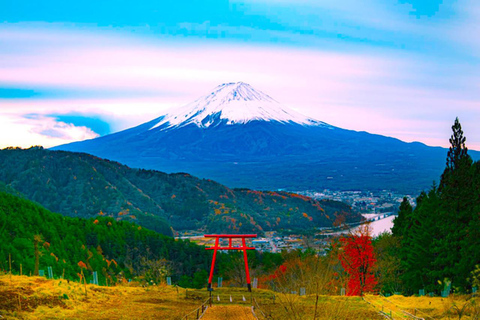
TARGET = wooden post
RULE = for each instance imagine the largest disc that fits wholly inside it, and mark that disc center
(21, 271)
(10, 265)
(63, 274)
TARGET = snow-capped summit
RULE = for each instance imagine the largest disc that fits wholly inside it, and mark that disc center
(232, 103)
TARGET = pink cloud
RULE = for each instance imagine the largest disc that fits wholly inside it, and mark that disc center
(382, 92)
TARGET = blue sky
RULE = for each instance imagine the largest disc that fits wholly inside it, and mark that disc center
(398, 68)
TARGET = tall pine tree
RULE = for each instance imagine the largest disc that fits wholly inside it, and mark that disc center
(440, 237)
(401, 221)
(457, 150)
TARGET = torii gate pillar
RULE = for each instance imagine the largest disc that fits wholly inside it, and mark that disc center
(216, 247)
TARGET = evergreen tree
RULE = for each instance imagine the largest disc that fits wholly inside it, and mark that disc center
(440, 237)
(400, 222)
(416, 251)
(457, 150)
(459, 196)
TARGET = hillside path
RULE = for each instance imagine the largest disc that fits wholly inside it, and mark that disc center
(228, 312)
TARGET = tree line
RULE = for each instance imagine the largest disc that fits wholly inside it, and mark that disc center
(439, 240)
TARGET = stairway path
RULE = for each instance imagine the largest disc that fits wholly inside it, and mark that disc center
(233, 312)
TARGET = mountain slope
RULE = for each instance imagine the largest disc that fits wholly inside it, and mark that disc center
(110, 247)
(243, 138)
(82, 185)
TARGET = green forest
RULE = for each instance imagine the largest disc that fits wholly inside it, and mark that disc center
(112, 248)
(81, 185)
(437, 244)
(117, 250)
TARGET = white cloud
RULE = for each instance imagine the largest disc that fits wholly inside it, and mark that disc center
(18, 131)
(395, 93)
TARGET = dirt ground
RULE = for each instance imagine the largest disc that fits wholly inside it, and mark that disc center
(233, 312)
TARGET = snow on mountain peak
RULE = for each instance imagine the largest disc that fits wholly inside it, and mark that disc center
(232, 103)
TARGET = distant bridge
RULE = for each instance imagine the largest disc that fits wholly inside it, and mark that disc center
(341, 229)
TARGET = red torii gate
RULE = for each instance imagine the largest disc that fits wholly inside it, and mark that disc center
(216, 247)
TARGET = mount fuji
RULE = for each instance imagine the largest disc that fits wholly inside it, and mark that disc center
(242, 137)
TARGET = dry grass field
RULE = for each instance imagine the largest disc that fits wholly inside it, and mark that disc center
(23, 297)
(453, 307)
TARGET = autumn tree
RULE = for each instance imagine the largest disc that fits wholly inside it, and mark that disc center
(357, 257)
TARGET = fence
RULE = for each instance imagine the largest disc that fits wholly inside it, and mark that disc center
(199, 312)
(257, 311)
(391, 312)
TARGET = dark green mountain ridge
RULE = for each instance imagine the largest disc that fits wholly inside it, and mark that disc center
(81, 185)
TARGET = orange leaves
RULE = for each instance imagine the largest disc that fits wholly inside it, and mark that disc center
(307, 216)
(53, 255)
(124, 212)
(173, 196)
(82, 265)
(46, 245)
(298, 196)
(109, 262)
(96, 221)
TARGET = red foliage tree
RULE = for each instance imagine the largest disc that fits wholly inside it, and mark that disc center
(357, 257)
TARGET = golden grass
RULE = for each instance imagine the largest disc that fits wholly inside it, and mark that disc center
(23, 297)
(453, 307)
(222, 312)
(289, 306)
(38, 298)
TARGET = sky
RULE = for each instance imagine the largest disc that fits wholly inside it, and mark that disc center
(77, 70)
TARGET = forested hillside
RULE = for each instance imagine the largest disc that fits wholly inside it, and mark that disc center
(438, 242)
(81, 185)
(114, 249)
